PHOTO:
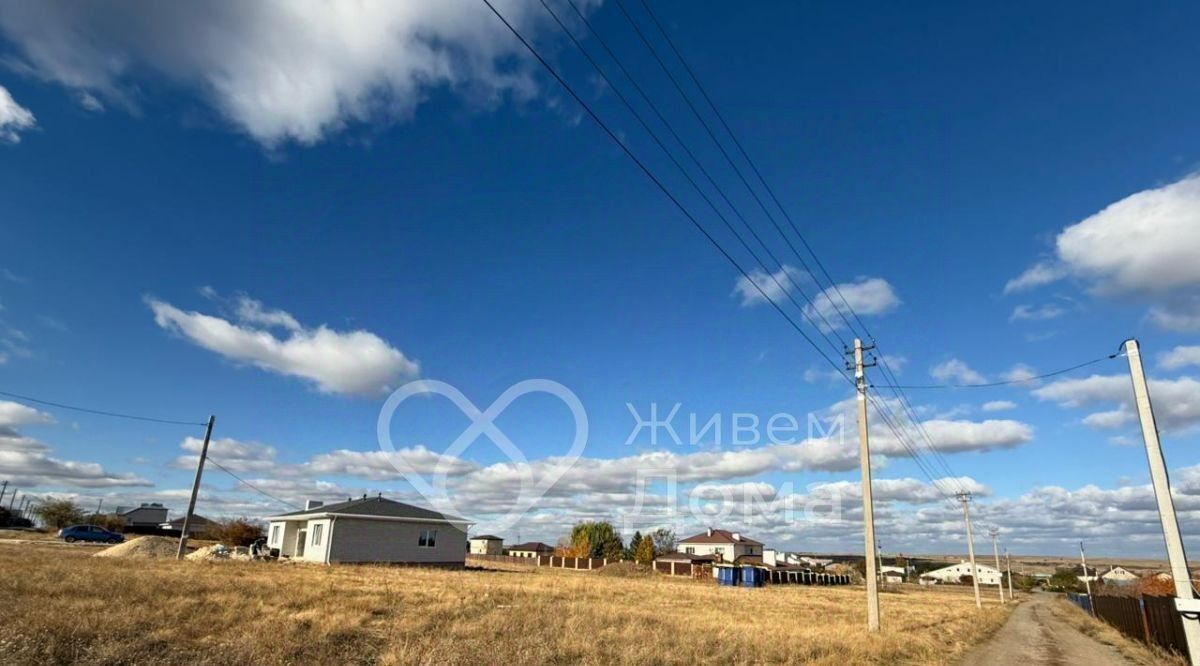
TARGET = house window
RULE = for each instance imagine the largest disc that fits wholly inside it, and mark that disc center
(317, 529)
(428, 539)
(690, 550)
(274, 534)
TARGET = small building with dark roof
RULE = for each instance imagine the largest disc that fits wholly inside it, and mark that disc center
(529, 549)
(369, 529)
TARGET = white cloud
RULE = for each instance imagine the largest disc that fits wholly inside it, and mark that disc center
(1043, 272)
(26, 462)
(280, 70)
(351, 362)
(1019, 373)
(382, 465)
(237, 456)
(999, 405)
(762, 287)
(958, 436)
(1176, 401)
(14, 118)
(1038, 313)
(1142, 245)
(1180, 357)
(866, 296)
(956, 371)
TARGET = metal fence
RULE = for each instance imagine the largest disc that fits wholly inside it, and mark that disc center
(1152, 620)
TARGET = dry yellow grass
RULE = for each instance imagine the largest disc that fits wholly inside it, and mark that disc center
(1136, 652)
(64, 607)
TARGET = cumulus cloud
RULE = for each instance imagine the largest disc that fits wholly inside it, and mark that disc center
(763, 287)
(1176, 401)
(350, 362)
(279, 70)
(1142, 245)
(383, 465)
(1019, 373)
(956, 371)
(960, 435)
(234, 455)
(865, 296)
(14, 118)
(26, 462)
(999, 405)
(1180, 357)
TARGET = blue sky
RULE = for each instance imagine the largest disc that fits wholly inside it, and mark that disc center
(280, 217)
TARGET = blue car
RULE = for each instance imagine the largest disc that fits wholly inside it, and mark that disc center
(89, 533)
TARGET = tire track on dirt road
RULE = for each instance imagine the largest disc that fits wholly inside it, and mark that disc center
(1035, 636)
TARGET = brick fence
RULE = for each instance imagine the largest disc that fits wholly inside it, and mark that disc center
(578, 563)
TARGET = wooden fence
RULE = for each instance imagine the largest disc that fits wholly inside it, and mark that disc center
(1152, 620)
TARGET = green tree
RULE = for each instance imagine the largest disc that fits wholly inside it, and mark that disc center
(634, 543)
(597, 538)
(644, 554)
(58, 513)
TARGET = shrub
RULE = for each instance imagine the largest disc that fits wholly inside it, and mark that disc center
(58, 513)
(235, 532)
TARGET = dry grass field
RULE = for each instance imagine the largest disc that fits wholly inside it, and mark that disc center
(63, 606)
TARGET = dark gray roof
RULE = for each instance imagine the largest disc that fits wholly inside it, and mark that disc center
(486, 537)
(531, 545)
(376, 506)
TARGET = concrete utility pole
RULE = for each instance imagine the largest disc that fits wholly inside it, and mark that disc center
(187, 518)
(2, 493)
(12, 500)
(1162, 492)
(864, 457)
(99, 505)
(965, 498)
(1008, 564)
(1086, 581)
(996, 552)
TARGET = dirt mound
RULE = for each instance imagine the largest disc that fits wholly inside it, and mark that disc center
(625, 570)
(147, 547)
(213, 552)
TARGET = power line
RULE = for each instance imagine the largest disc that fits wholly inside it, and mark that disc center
(100, 412)
(746, 246)
(658, 183)
(251, 485)
(1007, 382)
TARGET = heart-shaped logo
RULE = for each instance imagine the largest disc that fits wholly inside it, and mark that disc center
(483, 422)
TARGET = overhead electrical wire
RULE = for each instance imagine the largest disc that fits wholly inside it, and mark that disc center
(659, 184)
(833, 286)
(100, 412)
(250, 485)
(1007, 382)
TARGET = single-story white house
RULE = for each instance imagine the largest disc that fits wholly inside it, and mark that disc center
(530, 549)
(955, 572)
(486, 544)
(370, 529)
(891, 574)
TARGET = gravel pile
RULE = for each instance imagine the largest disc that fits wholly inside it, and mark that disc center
(147, 547)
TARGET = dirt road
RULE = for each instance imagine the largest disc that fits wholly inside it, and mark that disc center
(1034, 635)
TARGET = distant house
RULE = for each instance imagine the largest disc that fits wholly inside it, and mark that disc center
(485, 544)
(530, 549)
(891, 574)
(199, 524)
(1118, 576)
(955, 572)
(370, 529)
(726, 546)
(147, 515)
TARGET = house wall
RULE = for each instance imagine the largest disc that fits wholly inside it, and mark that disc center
(528, 553)
(487, 547)
(359, 540)
(315, 552)
(952, 574)
(728, 551)
(146, 516)
(286, 542)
